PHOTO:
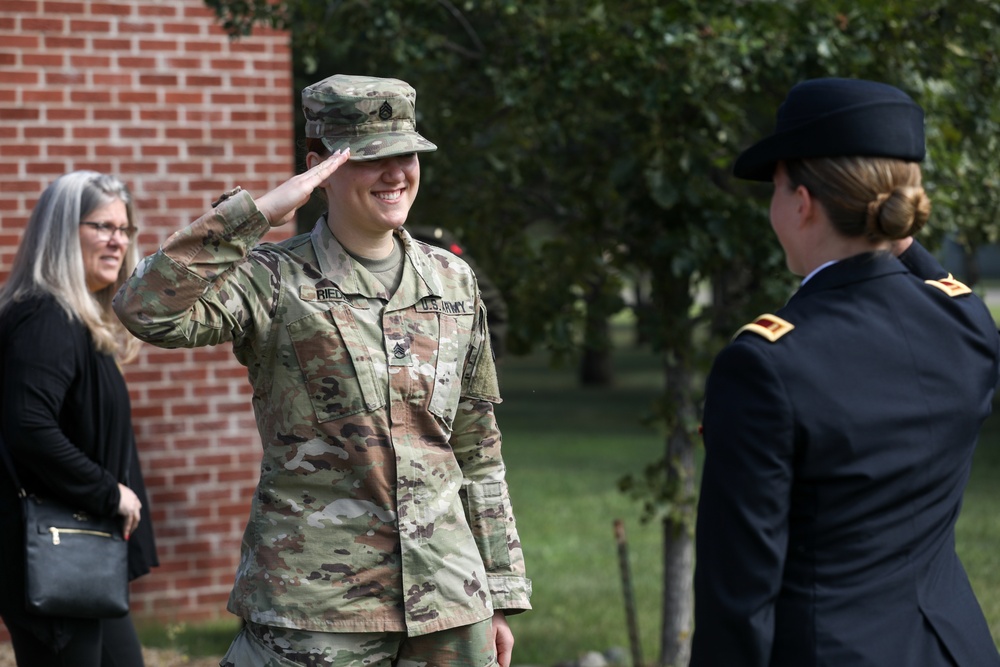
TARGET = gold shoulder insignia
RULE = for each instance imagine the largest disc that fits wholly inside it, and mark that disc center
(768, 326)
(950, 286)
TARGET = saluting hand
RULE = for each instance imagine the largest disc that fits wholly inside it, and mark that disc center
(279, 205)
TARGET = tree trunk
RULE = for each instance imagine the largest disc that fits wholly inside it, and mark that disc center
(680, 413)
(678, 528)
(678, 564)
(596, 369)
(970, 266)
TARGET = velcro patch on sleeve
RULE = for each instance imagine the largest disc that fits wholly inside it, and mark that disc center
(767, 326)
(950, 286)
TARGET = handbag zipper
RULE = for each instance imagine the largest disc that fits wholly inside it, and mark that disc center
(75, 531)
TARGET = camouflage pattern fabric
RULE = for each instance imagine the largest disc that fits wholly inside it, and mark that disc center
(376, 117)
(382, 504)
(489, 292)
(248, 651)
(465, 646)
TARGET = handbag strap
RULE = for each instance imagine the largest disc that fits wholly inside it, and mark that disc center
(10, 468)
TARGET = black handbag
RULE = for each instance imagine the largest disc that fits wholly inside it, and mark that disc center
(75, 564)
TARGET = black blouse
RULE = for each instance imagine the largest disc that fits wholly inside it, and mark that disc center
(65, 416)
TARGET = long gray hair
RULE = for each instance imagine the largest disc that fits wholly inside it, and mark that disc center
(49, 259)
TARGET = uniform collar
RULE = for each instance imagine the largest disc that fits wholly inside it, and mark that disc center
(858, 268)
(818, 269)
(429, 279)
(337, 266)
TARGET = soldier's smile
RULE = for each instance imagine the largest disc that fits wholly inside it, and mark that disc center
(374, 195)
(389, 195)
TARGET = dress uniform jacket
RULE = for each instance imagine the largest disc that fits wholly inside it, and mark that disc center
(836, 458)
(382, 504)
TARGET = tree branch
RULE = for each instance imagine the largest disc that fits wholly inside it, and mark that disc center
(469, 30)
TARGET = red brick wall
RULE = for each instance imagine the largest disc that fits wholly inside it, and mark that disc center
(151, 90)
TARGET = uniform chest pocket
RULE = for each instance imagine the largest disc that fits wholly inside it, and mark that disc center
(454, 336)
(336, 364)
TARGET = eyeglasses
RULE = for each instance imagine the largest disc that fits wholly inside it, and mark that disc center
(105, 230)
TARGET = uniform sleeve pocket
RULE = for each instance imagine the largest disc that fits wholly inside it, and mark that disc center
(486, 510)
(336, 365)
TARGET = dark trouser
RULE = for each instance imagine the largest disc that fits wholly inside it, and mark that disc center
(108, 642)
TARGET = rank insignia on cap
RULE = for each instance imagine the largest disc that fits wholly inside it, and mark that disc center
(767, 326)
(385, 111)
(950, 286)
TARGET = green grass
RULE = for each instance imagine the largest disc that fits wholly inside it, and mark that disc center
(565, 448)
(208, 638)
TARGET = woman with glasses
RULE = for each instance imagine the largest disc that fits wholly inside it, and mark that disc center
(64, 406)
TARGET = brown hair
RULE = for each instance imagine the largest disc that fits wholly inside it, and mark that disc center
(315, 145)
(879, 197)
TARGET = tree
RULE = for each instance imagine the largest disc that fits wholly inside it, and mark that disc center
(586, 145)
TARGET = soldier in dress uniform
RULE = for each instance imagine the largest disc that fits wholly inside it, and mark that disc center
(839, 430)
(381, 532)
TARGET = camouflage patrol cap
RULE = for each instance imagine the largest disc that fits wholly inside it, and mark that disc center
(375, 117)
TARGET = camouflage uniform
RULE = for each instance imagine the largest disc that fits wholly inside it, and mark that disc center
(382, 504)
(490, 293)
(268, 646)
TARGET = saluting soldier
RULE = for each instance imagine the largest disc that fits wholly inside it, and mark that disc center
(381, 532)
(839, 431)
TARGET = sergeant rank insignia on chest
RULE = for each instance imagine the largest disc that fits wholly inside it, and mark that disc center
(767, 326)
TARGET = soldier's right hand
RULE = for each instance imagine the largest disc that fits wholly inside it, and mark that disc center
(279, 205)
